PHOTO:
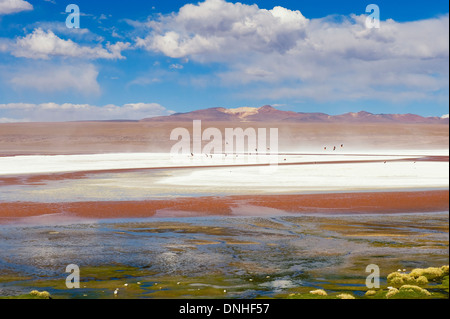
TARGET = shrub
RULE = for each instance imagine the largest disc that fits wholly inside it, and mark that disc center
(430, 273)
(422, 281)
(417, 276)
(319, 292)
(392, 292)
(415, 289)
(40, 294)
(397, 279)
(345, 296)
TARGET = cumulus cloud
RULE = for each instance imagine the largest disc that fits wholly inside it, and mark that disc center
(215, 29)
(81, 78)
(14, 6)
(42, 44)
(345, 61)
(49, 112)
(318, 59)
(445, 116)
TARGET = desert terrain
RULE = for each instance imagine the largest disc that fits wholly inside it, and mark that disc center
(118, 137)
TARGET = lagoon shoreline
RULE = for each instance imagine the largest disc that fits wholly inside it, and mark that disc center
(244, 205)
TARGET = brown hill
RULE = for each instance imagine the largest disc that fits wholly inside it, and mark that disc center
(267, 113)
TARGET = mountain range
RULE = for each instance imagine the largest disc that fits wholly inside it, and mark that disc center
(268, 113)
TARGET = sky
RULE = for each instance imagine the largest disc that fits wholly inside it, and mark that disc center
(135, 59)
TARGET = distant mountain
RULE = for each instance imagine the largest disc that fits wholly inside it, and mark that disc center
(267, 113)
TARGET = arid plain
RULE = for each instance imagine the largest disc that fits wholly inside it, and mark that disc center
(116, 137)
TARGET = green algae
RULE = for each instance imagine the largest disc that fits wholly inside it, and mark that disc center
(25, 296)
(132, 282)
(255, 256)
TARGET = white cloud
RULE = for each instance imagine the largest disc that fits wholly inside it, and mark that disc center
(49, 112)
(81, 78)
(14, 6)
(42, 44)
(342, 61)
(9, 120)
(320, 59)
(445, 116)
(5, 44)
(215, 29)
(59, 28)
(176, 66)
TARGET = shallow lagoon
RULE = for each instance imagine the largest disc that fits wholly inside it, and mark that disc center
(218, 257)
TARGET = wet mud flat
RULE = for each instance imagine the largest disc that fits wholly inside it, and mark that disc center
(219, 257)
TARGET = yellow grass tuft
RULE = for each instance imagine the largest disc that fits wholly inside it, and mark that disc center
(430, 273)
(319, 292)
(398, 279)
(392, 292)
(422, 280)
(415, 289)
(370, 293)
(40, 294)
(345, 296)
(417, 276)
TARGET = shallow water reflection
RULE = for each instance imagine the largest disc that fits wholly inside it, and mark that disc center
(218, 256)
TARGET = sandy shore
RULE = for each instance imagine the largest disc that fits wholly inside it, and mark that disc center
(351, 203)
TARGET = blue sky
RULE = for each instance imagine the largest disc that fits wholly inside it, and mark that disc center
(137, 58)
